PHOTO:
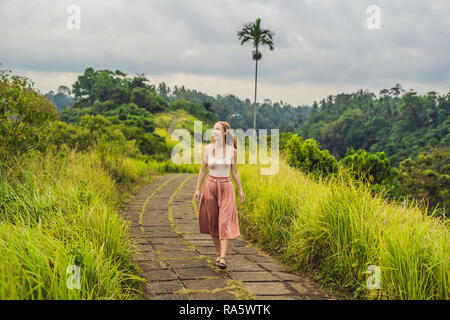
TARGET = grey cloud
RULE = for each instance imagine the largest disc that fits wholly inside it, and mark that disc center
(320, 42)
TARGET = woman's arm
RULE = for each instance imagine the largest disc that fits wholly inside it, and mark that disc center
(236, 178)
(201, 175)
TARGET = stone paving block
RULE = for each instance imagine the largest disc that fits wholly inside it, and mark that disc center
(287, 276)
(229, 257)
(202, 243)
(187, 230)
(238, 263)
(158, 228)
(162, 235)
(147, 266)
(192, 273)
(245, 266)
(207, 250)
(209, 284)
(310, 292)
(143, 247)
(158, 211)
(145, 255)
(253, 276)
(245, 250)
(137, 207)
(267, 288)
(133, 219)
(140, 241)
(213, 296)
(197, 236)
(155, 223)
(187, 222)
(259, 259)
(156, 216)
(155, 241)
(299, 287)
(187, 263)
(158, 287)
(170, 297)
(238, 243)
(272, 266)
(152, 223)
(160, 275)
(281, 297)
(136, 234)
(167, 247)
(176, 254)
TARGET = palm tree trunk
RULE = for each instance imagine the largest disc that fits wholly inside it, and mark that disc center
(256, 81)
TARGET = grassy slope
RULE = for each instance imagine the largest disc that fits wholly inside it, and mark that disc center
(336, 231)
(184, 121)
(63, 210)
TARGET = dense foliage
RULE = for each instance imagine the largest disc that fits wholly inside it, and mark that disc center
(58, 180)
(239, 113)
(306, 156)
(376, 168)
(23, 111)
(428, 177)
(335, 229)
(401, 126)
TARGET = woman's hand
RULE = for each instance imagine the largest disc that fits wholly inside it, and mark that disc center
(241, 193)
(197, 195)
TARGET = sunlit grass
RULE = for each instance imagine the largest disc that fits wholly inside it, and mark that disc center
(336, 229)
(62, 210)
(58, 211)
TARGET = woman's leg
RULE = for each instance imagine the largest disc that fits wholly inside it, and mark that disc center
(217, 245)
(224, 244)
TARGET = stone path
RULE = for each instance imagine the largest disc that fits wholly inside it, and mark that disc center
(177, 260)
(173, 124)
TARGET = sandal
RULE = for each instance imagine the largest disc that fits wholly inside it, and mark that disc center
(216, 262)
(222, 265)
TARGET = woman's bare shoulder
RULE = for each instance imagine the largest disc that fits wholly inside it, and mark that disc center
(206, 147)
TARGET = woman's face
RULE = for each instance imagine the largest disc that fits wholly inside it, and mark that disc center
(218, 132)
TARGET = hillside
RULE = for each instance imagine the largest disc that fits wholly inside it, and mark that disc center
(400, 125)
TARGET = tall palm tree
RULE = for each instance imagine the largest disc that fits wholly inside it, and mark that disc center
(253, 31)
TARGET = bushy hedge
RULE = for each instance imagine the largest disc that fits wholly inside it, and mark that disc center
(306, 156)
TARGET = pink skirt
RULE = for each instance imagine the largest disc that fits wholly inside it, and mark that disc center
(217, 210)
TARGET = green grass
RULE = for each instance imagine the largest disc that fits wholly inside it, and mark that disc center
(334, 230)
(168, 166)
(184, 121)
(62, 210)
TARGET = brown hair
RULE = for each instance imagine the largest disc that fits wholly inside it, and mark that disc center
(228, 133)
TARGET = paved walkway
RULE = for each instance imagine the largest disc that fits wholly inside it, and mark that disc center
(173, 124)
(177, 260)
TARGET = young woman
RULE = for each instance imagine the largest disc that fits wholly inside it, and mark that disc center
(218, 214)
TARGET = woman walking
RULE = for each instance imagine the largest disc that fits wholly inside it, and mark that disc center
(217, 210)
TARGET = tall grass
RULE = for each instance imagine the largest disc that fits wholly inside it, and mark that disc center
(169, 167)
(62, 209)
(57, 211)
(337, 228)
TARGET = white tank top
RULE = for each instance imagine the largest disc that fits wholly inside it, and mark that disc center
(219, 167)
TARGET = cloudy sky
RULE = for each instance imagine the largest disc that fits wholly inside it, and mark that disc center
(321, 47)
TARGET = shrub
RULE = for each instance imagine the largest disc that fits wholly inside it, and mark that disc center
(373, 168)
(306, 156)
